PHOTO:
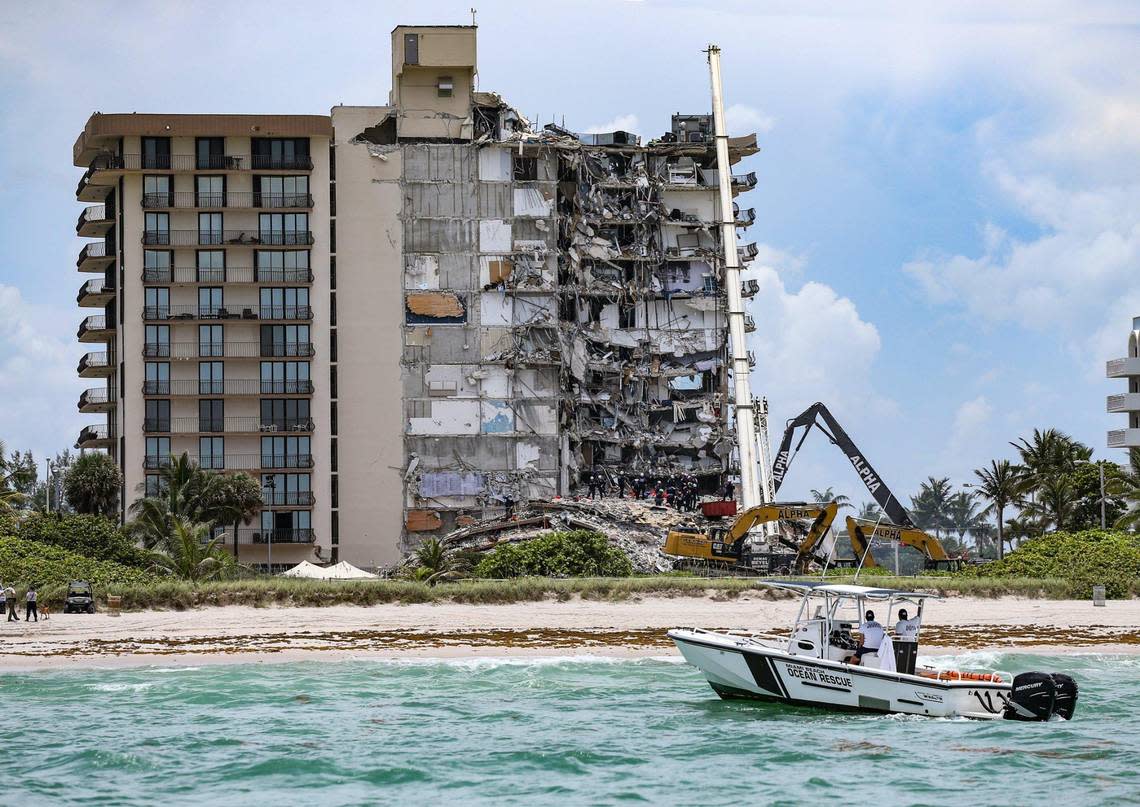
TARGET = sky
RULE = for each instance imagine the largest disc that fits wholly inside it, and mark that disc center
(948, 207)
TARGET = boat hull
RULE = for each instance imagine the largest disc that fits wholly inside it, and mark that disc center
(737, 667)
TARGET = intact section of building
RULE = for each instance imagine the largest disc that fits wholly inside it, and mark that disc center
(1128, 403)
(404, 317)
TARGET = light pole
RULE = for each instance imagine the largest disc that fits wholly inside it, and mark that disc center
(271, 483)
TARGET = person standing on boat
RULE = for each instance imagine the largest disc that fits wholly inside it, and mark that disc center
(871, 633)
(906, 630)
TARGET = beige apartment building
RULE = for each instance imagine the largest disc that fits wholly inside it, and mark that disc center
(403, 318)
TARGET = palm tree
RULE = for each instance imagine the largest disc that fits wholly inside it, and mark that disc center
(828, 496)
(435, 563)
(930, 507)
(1048, 454)
(1128, 486)
(1053, 503)
(10, 497)
(92, 484)
(869, 511)
(1000, 485)
(191, 554)
(233, 499)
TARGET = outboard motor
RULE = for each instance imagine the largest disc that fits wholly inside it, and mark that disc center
(1031, 698)
(1065, 698)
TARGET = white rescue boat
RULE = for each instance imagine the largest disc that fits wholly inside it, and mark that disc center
(817, 665)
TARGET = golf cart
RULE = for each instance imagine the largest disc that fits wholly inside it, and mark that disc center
(79, 598)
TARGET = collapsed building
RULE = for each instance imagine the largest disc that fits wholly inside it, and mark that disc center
(488, 309)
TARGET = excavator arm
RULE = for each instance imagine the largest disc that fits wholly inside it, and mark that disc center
(862, 533)
(727, 545)
(818, 416)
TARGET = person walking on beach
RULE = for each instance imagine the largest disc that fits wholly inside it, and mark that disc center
(10, 595)
(30, 604)
(3, 598)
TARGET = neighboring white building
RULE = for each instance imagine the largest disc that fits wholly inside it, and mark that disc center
(1128, 402)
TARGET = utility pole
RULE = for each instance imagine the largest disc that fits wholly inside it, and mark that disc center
(1100, 466)
(738, 347)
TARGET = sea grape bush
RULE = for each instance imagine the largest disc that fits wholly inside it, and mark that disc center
(580, 553)
(27, 562)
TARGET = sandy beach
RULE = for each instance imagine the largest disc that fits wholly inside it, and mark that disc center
(634, 627)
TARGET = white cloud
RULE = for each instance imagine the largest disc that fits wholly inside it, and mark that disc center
(622, 123)
(743, 119)
(37, 375)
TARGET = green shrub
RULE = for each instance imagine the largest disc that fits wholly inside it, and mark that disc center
(581, 553)
(95, 537)
(1084, 559)
(23, 563)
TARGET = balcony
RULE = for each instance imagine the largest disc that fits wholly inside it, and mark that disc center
(95, 437)
(94, 294)
(232, 199)
(279, 535)
(96, 365)
(227, 238)
(287, 313)
(96, 328)
(1124, 438)
(1127, 402)
(228, 425)
(230, 274)
(1123, 368)
(277, 498)
(747, 252)
(227, 350)
(93, 222)
(97, 399)
(236, 462)
(744, 182)
(230, 386)
(749, 324)
(744, 218)
(749, 288)
(94, 257)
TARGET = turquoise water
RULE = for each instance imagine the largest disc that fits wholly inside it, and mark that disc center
(534, 732)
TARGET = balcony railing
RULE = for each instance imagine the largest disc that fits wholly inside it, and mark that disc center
(230, 274)
(227, 350)
(94, 327)
(227, 238)
(93, 221)
(229, 386)
(750, 288)
(235, 199)
(94, 293)
(279, 535)
(747, 252)
(95, 364)
(90, 435)
(1122, 368)
(232, 425)
(93, 257)
(744, 218)
(196, 162)
(287, 499)
(235, 462)
(1124, 438)
(95, 398)
(159, 313)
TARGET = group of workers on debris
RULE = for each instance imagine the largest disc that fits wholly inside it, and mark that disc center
(680, 491)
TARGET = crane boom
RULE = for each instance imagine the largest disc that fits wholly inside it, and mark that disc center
(810, 418)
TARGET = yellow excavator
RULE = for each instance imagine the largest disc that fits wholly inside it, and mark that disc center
(862, 532)
(726, 544)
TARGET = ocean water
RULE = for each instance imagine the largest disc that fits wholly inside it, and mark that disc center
(535, 732)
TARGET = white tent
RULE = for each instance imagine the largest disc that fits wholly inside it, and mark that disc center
(346, 571)
(306, 569)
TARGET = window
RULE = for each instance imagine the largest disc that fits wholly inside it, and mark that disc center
(211, 378)
(157, 416)
(525, 169)
(212, 453)
(211, 416)
(286, 452)
(286, 526)
(285, 340)
(156, 153)
(155, 485)
(210, 303)
(157, 453)
(157, 378)
(281, 191)
(210, 153)
(210, 191)
(285, 378)
(209, 228)
(156, 228)
(210, 342)
(283, 228)
(444, 87)
(285, 304)
(281, 153)
(286, 489)
(157, 265)
(710, 284)
(211, 267)
(411, 48)
(156, 302)
(289, 266)
(627, 315)
(156, 341)
(157, 192)
(285, 414)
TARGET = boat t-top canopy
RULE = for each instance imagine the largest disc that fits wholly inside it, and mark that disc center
(842, 590)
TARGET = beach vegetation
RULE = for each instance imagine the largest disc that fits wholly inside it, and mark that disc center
(93, 536)
(434, 563)
(192, 554)
(576, 553)
(24, 563)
